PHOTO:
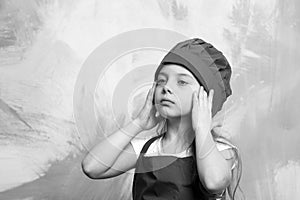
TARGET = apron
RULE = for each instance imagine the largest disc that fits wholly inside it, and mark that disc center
(166, 178)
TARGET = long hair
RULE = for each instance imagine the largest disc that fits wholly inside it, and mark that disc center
(234, 185)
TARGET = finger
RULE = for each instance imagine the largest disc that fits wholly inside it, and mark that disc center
(153, 92)
(195, 104)
(154, 85)
(201, 96)
(148, 96)
(150, 93)
(210, 98)
(204, 98)
(195, 98)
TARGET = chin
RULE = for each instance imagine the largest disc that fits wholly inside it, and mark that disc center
(169, 115)
(167, 112)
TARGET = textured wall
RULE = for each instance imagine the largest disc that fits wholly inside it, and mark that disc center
(44, 43)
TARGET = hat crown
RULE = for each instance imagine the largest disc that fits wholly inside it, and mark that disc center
(208, 65)
(212, 57)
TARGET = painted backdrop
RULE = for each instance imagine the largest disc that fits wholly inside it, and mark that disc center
(45, 43)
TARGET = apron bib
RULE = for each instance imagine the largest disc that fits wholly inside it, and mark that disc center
(166, 178)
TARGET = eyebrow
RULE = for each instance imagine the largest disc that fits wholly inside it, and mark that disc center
(179, 74)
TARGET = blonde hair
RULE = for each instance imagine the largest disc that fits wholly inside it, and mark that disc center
(234, 186)
(162, 127)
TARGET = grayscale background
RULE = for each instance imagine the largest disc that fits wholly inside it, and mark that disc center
(45, 44)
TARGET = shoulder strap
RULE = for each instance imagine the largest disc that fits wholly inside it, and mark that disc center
(224, 141)
(148, 143)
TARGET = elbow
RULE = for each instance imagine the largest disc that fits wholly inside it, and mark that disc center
(217, 184)
(88, 170)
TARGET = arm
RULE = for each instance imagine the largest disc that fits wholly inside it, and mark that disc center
(115, 155)
(213, 169)
(112, 156)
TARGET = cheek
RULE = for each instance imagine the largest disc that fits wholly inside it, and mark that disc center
(186, 101)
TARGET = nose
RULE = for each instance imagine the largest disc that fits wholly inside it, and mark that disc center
(166, 89)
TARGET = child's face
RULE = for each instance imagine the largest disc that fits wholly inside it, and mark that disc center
(174, 91)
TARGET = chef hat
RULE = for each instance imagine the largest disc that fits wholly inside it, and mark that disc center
(206, 63)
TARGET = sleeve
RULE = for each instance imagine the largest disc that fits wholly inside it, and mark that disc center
(228, 151)
(137, 144)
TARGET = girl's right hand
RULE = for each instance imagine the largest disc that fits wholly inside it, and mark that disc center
(146, 118)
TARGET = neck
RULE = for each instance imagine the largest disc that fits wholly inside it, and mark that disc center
(179, 132)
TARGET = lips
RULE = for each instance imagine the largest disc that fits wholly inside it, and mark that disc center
(166, 101)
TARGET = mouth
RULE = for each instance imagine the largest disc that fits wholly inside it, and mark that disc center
(166, 101)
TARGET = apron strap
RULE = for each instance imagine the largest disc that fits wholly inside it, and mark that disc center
(148, 143)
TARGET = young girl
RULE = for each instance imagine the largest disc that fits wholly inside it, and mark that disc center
(187, 160)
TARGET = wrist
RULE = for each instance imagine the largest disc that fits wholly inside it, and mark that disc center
(202, 132)
(203, 154)
(131, 129)
(204, 143)
(137, 124)
(204, 136)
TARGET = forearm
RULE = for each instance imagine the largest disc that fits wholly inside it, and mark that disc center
(213, 169)
(103, 155)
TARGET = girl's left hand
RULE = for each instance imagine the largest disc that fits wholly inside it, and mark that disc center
(202, 111)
